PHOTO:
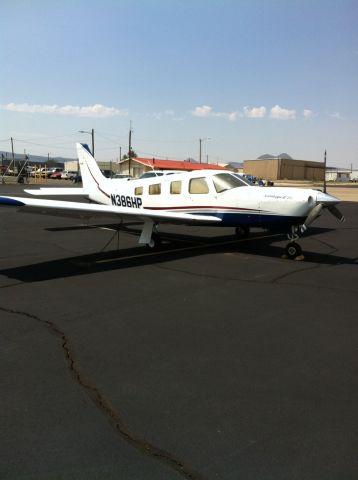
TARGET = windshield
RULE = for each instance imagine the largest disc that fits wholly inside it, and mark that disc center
(245, 179)
(227, 181)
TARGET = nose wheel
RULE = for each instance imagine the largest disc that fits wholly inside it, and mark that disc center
(293, 251)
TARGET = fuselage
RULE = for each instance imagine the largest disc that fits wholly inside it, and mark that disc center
(214, 193)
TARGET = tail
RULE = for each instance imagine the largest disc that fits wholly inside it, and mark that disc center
(90, 172)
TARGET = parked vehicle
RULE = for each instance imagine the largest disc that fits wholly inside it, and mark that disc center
(77, 179)
(53, 170)
(122, 175)
(40, 172)
(107, 173)
(5, 170)
(56, 175)
(68, 174)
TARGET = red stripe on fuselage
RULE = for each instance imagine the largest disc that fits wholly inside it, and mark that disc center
(104, 193)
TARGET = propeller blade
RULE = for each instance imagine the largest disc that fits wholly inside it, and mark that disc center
(314, 213)
(336, 213)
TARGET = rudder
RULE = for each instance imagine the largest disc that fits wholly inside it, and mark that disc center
(90, 172)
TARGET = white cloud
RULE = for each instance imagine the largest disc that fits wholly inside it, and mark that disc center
(279, 113)
(97, 110)
(205, 112)
(336, 115)
(255, 112)
(231, 116)
(308, 113)
(160, 115)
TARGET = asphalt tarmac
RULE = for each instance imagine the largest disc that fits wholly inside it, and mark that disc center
(210, 359)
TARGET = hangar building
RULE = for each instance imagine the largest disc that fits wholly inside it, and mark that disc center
(283, 167)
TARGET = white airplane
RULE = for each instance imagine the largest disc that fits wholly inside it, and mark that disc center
(203, 197)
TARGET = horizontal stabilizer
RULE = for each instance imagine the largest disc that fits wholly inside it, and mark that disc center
(56, 191)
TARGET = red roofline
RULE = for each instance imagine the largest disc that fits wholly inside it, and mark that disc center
(176, 165)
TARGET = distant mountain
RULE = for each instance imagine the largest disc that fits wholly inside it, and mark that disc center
(34, 158)
(235, 165)
(268, 156)
(285, 156)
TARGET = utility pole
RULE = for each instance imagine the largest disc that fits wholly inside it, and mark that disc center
(92, 132)
(130, 147)
(12, 152)
(324, 172)
(200, 141)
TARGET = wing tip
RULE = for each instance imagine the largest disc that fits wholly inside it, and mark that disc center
(11, 201)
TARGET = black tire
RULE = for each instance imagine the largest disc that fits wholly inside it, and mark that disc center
(293, 250)
(155, 242)
(242, 231)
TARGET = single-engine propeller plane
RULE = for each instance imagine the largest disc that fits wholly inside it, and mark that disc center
(202, 197)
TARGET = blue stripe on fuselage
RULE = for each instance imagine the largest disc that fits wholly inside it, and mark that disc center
(254, 220)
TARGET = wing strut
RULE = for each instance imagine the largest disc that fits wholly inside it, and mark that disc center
(147, 230)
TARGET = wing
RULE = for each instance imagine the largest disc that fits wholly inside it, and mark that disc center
(57, 191)
(87, 211)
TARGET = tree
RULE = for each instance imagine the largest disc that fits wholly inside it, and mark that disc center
(133, 155)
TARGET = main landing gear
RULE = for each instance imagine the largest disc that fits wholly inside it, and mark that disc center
(155, 242)
(150, 236)
(242, 232)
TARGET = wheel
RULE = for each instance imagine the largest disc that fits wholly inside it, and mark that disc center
(293, 250)
(155, 242)
(242, 231)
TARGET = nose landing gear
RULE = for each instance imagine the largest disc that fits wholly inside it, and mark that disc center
(293, 251)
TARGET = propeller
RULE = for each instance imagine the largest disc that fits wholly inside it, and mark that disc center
(336, 213)
(314, 213)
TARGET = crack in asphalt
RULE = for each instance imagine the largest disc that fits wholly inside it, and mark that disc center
(100, 401)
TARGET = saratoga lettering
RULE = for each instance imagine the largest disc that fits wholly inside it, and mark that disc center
(126, 201)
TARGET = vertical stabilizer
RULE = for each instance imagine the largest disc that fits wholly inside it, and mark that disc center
(90, 172)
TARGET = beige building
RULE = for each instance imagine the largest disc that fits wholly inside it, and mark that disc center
(284, 169)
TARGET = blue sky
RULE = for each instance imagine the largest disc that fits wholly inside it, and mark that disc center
(247, 76)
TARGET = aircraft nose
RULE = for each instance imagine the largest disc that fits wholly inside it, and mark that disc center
(326, 199)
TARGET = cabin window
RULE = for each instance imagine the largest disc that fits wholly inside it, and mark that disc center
(175, 187)
(138, 191)
(155, 189)
(198, 185)
(226, 181)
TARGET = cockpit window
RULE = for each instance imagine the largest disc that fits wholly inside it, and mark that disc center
(226, 181)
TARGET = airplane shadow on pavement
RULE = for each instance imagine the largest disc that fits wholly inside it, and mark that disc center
(174, 247)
